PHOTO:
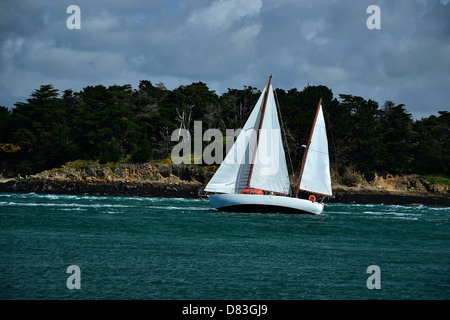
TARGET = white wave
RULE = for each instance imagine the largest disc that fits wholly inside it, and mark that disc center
(36, 204)
(407, 218)
(74, 209)
(180, 208)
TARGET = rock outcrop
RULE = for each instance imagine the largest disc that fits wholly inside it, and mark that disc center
(188, 181)
(119, 172)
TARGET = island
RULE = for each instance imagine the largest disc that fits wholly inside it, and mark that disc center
(170, 180)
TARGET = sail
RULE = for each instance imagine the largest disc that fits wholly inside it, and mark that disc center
(315, 176)
(270, 171)
(256, 160)
(232, 174)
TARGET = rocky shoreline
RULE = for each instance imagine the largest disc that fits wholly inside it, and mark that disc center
(183, 181)
(194, 190)
(129, 189)
(390, 198)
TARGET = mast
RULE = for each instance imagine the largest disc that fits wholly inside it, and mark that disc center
(307, 148)
(259, 129)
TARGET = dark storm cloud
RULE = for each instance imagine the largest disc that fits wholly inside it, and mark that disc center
(231, 43)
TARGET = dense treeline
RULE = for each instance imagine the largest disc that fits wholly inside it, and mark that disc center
(116, 123)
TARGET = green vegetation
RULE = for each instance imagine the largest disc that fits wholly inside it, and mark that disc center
(121, 124)
(439, 180)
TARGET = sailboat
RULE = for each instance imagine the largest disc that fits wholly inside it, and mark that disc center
(254, 175)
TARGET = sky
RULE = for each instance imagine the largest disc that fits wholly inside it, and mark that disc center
(232, 44)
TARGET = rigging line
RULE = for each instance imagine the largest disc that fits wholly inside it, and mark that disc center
(284, 132)
(318, 151)
(258, 132)
(332, 139)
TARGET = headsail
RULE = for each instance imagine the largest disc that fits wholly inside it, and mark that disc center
(232, 174)
(315, 174)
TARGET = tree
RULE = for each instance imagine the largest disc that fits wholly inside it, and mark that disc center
(198, 98)
(431, 144)
(358, 132)
(5, 124)
(298, 110)
(117, 122)
(104, 125)
(396, 132)
(237, 105)
(36, 128)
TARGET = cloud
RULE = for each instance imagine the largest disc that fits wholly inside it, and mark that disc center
(221, 15)
(103, 22)
(312, 30)
(11, 47)
(229, 44)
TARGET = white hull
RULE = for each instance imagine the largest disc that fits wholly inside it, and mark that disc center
(263, 203)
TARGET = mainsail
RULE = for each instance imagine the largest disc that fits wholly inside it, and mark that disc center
(315, 173)
(257, 158)
(270, 171)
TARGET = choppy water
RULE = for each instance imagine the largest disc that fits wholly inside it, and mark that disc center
(156, 248)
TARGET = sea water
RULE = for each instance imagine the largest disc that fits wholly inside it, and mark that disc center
(96, 247)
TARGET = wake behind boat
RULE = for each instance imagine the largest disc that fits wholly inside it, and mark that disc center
(254, 177)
